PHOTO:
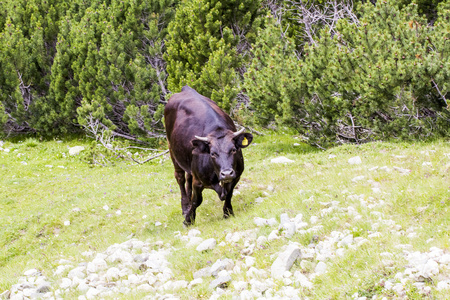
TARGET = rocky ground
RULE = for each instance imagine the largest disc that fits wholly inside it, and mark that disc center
(136, 266)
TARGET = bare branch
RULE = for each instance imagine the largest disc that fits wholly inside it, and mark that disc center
(437, 89)
(148, 159)
(25, 91)
(315, 17)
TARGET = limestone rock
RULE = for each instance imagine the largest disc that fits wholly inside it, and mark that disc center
(281, 160)
(284, 261)
(75, 150)
(206, 245)
(355, 160)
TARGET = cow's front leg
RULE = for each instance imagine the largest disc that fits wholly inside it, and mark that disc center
(227, 207)
(197, 199)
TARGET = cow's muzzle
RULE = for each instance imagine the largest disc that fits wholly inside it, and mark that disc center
(226, 176)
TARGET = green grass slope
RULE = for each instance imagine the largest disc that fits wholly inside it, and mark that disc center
(55, 206)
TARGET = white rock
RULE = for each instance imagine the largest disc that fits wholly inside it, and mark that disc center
(355, 160)
(376, 190)
(385, 168)
(195, 282)
(284, 218)
(402, 171)
(281, 160)
(221, 264)
(258, 286)
(261, 240)
(302, 280)
(176, 285)
(75, 150)
(314, 219)
(430, 268)
(249, 261)
(340, 252)
(347, 240)
(194, 241)
(96, 265)
(31, 272)
(205, 272)
(357, 178)
(254, 272)
(208, 244)
(112, 274)
(272, 222)
(66, 223)
(194, 232)
(443, 285)
(77, 272)
(273, 235)
(28, 292)
(220, 281)
(65, 283)
(320, 268)
(83, 287)
(259, 200)
(445, 259)
(260, 221)
(240, 285)
(284, 261)
(92, 293)
(289, 229)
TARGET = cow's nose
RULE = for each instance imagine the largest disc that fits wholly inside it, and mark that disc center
(226, 175)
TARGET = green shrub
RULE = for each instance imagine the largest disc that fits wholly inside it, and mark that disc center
(385, 77)
(206, 44)
(273, 79)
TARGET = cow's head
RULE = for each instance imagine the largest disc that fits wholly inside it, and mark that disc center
(224, 149)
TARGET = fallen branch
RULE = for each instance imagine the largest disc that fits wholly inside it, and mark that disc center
(148, 159)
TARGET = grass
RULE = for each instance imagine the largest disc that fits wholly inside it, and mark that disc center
(42, 187)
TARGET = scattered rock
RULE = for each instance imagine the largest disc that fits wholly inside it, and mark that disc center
(205, 272)
(281, 160)
(320, 268)
(355, 160)
(221, 264)
(221, 281)
(31, 272)
(194, 241)
(284, 261)
(75, 150)
(206, 245)
(401, 170)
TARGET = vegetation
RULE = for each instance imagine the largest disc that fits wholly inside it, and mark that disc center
(335, 72)
(48, 187)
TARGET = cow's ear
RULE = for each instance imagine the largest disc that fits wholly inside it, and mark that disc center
(200, 146)
(243, 140)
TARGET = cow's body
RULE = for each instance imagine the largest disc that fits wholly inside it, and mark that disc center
(205, 149)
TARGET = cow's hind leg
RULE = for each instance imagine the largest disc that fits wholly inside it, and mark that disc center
(197, 199)
(180, 176)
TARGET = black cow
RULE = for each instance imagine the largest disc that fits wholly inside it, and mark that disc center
(205, 150)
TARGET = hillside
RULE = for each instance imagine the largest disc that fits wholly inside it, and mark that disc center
(353, 221)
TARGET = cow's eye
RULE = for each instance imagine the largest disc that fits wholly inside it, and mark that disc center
(233, 151)
(214, 154)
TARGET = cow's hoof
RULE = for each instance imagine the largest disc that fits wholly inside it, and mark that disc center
(226, 216)
(187, 224)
